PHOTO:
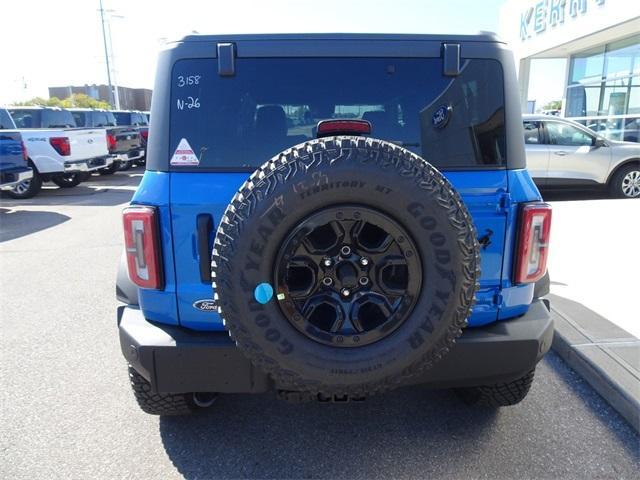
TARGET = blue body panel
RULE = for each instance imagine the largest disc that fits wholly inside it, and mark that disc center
(492, 198)
(160, 305)
(515, 299)
(194, 194)
(11, 150)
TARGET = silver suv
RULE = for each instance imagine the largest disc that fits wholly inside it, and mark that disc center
(562, 152)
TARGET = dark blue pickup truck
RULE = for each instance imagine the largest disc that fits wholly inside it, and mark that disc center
(14, 168)
(332, 217)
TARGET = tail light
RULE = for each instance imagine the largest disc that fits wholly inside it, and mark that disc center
(142, 244)
(111, 142)
(533, 242)
(144, 134)
(61, 145)
(25, 156)
(343, 127)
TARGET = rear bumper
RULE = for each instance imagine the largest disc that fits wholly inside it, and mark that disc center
(174, 359)
(12, 176)
(89, 165)
(130, 155)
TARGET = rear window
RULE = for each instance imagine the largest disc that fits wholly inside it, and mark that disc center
(80, 118)
(57, 119)
(27, 118)
(123, 118)
(5, 120)
(104, 119)
(271, 104)
(139, 119)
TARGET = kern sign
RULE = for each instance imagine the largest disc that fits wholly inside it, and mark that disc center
(553, 13)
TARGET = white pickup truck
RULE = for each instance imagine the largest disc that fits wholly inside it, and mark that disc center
(58, 151)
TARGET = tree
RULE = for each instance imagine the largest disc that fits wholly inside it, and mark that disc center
(84, 101)
(553, 105)
(51, 102)
(75, 100)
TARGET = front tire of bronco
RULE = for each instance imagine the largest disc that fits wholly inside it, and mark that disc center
(499, 394)
(166, 403)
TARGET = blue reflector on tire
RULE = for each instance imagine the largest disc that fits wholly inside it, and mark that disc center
(263, 293)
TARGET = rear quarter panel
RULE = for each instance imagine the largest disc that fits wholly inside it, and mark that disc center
(40, 151)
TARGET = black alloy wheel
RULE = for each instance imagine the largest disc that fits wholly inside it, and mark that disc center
(350, 276)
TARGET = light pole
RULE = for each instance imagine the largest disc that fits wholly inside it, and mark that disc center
(106, 55)
(113, 59)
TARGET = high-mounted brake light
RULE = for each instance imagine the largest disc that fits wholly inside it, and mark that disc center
(327, 128)
(111, 142)
(61, 145)
(533, 242)
(142, 245)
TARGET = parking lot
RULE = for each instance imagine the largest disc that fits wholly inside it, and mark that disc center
(67, 410)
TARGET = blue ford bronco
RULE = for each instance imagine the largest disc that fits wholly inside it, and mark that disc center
(331, 217)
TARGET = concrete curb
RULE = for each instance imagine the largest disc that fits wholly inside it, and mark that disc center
(605, 355)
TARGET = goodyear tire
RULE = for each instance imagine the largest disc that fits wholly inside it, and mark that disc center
(345, 266)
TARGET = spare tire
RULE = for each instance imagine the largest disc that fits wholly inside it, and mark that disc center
(345, 266)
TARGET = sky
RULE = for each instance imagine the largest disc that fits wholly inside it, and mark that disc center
(63, 44)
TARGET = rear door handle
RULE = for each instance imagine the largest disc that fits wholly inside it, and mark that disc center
(561, 153)
(204, 226)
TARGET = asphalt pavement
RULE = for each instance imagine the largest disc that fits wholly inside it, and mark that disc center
(67, 411)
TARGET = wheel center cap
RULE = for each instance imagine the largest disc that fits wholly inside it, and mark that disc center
(347, 274)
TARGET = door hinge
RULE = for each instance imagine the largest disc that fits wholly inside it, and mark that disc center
(504, 202)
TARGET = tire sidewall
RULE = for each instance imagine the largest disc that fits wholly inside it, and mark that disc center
(35, 184)
(421, 204)
(616, 185)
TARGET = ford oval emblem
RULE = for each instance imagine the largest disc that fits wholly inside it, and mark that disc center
(205, 305)
(441, 116)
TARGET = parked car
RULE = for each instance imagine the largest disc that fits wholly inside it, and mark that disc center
(348, 263)
(58, 151)
(14, 167)
(124, 143)
(564, 153)
(140, 122)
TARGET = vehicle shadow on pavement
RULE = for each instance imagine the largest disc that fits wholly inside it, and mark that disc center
(260, 436)
(18, 223)
(97, 191)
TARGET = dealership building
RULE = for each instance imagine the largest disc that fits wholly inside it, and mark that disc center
(600, 42)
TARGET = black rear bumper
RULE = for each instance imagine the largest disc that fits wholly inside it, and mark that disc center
(174, 359)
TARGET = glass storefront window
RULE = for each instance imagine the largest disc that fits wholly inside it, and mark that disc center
(622, 58)
(604, 83)
(587, 67)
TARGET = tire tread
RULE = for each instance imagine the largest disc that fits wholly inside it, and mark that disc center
(282, 168)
